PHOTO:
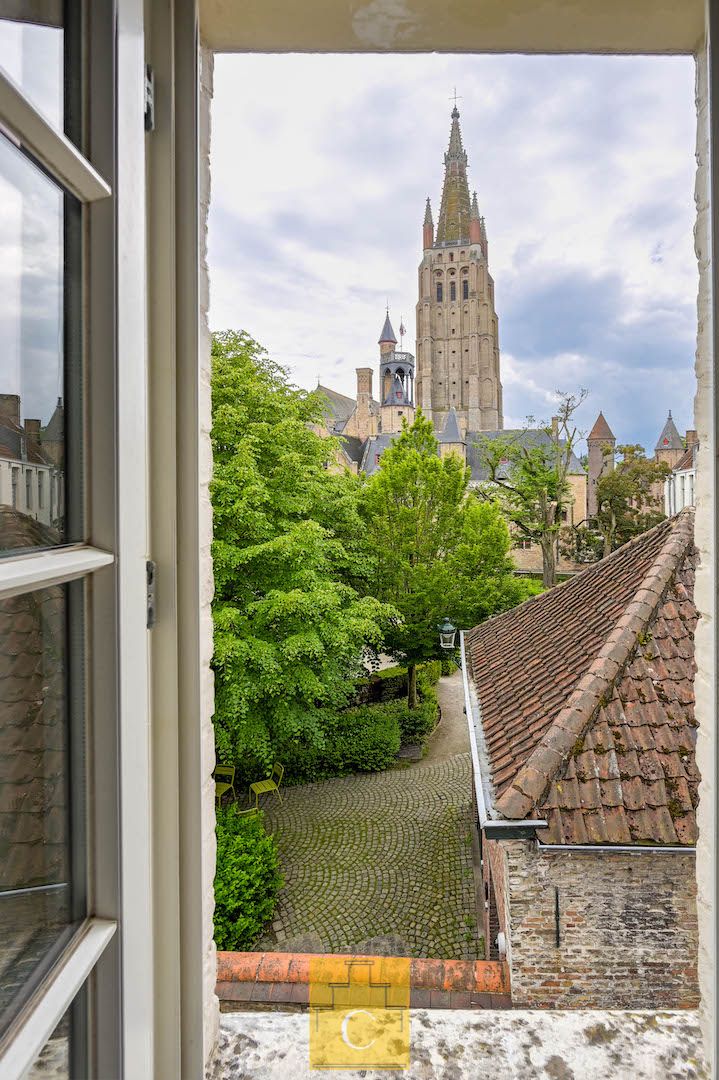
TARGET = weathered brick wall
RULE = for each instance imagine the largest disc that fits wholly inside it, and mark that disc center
(628, 929)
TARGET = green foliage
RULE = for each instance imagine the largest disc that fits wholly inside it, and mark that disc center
(417, 723)
(247, 879)
(629, 496)
(440, 551)
(529, 479)
(290, 627)
(449, 665)
(362, 739)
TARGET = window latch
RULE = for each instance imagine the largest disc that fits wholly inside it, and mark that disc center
(149, 98)
(151, 579)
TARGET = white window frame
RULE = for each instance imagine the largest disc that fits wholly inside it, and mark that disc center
(112, 951)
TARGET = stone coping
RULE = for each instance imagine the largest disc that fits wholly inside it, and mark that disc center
(283, 978)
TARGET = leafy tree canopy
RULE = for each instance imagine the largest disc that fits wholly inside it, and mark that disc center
(440, 551)
(528, 476)
(290, 628)
(630, 496)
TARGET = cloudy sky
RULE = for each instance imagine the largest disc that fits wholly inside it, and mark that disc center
(584, 168)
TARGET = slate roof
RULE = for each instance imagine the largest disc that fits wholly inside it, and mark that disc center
(524, 436)
(353, 447)
(338, 407)
(387, 332)
(451, 433)
(374, 445)
(687, 460)
(601, 430)
(586, 698)
(669, 439)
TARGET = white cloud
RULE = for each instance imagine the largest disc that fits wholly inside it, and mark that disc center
(584, 169)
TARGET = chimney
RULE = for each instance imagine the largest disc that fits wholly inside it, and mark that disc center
(32, 430)
(10, 408)
(691, 437)
(364, 397)
(364, 384)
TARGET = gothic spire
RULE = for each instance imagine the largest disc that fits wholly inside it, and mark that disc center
(387, 335)
(454, 213)
(428, 214)
(474, 213)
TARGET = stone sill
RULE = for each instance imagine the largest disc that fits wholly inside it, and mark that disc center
(511, 1045)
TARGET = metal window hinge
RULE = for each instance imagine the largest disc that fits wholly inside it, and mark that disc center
(151, 579)
(149, 98)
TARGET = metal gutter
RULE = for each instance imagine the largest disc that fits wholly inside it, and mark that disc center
(618, 849)
(493, 828)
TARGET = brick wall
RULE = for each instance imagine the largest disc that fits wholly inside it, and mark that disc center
(628, 929)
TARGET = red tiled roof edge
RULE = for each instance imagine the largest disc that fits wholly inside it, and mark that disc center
(475, 976)
(573, 720)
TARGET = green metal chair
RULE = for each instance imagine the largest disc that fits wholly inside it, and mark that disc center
(224, 781)
(272, 783)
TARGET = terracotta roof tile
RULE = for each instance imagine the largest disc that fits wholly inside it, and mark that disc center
(603, 746)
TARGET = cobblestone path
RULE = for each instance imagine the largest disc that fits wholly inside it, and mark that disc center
(382, 856)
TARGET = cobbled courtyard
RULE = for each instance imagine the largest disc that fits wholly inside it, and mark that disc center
(378, 863)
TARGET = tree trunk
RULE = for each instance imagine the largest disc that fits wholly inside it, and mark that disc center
(549, 561)
(412, 686)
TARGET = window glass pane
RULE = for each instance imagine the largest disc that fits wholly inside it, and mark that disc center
(31, 52)
(41, 786)
(63, 1057)
(39, 283)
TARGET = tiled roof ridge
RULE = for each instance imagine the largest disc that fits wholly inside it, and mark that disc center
(574, 718)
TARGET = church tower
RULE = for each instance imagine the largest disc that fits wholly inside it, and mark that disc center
(457, 333)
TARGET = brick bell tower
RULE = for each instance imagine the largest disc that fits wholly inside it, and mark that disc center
(457, 330)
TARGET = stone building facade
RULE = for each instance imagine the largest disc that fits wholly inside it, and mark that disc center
(457, 326)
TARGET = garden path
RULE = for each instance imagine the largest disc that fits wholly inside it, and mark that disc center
(382, 862)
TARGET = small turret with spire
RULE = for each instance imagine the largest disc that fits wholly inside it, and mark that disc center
(428, 229)
(475, 228)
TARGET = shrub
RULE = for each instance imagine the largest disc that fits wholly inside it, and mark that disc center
(362, 739)
(430, 671)
(247, 879)
(449, 665)
(416, 724)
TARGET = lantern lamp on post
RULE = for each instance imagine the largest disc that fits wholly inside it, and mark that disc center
(447, 634)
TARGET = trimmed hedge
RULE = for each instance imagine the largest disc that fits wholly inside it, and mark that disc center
(247, 879)
(363, 739)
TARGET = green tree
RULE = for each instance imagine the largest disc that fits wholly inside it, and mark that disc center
(439, 550)
(290, 629)
(528, 474)
(630, 496)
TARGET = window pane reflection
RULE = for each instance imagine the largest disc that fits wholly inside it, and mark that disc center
(34, 285)
(31, 52)
(40, 792)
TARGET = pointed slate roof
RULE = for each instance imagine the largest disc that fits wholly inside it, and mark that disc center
(451, 433)
(670, 439)
(454, 213)
(387, 334)
(586, 698)
(601, 430)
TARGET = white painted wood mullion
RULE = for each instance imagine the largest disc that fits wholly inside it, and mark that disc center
(45, 1012)
(38, 571)
(63, 160)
